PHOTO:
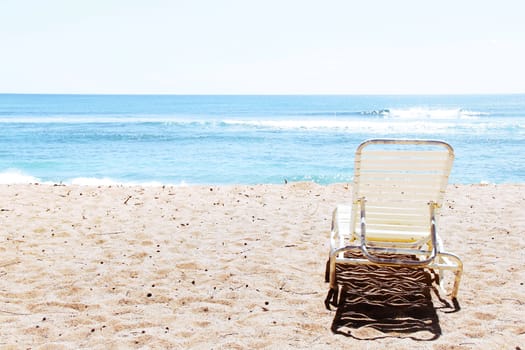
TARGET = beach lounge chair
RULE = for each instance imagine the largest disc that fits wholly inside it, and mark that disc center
(397, 193)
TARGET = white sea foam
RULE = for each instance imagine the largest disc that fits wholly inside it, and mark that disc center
(105, 181)
(432, 113)
(351, 125)
(387, 113)
(15, 176)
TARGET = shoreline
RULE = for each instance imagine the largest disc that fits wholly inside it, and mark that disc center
(28, 180)
(230, 266)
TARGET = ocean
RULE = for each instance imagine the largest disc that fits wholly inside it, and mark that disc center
(203, 139)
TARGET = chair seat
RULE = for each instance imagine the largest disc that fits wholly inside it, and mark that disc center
(377, 232)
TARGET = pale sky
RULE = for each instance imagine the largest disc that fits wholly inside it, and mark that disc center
(262, 47)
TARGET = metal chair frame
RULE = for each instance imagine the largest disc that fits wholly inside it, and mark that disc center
(403, 181)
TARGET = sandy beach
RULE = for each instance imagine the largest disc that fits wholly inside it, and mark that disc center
(234, 267)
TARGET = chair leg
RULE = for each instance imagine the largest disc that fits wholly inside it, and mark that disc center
(457, 273)
(441, 281)
(333, 294)
(327, 271)
(332, 277)
(457, 279)
(447, 258)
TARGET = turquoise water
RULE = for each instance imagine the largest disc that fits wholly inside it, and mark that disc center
(151, 139)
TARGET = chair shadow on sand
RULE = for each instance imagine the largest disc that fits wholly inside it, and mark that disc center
(380, 302)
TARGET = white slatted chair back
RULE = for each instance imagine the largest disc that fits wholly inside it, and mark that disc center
(398, 179)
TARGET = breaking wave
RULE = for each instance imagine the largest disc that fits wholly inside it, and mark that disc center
(432, 113)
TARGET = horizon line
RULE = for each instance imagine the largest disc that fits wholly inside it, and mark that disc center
(262, 94)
